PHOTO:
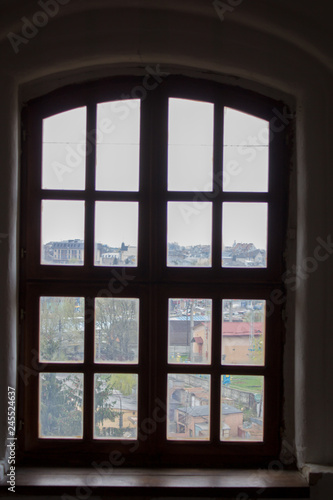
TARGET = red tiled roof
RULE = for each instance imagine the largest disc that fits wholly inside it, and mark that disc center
(198, 340)
(234, 328)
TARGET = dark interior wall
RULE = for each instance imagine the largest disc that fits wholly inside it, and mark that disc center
(276, 48)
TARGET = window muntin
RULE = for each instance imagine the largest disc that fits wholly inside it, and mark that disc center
(150, 280)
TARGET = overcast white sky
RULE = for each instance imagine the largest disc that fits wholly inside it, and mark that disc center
(190, 167)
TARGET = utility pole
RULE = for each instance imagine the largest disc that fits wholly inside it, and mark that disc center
(191, 329)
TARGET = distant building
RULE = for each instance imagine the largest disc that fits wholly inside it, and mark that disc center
(190, 256)
(243, 255)
(110, 259)
(125, 255)
(71, 252)
(189, 420)
(193, 422)
(189, 406)
(240, 340)
(232, 420)
(64, 252)
(126, 416)
(128, 254)
(190, 337)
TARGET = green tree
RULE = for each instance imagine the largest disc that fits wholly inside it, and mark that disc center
(61, 328)
(116, 329)
(123, 382)
(103, 405)
(61, 405)
(106, 397)
(257, 349)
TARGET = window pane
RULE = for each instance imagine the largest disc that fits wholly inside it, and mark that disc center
(190, 331)
(116, 406)
(116, 233)
(245, 152)
(64, 150)
(190, 148)
(244, 239)
(189, 234)
(61, 405)
(116, 330)
(61, 329)
(242, 403)
(243, 332)
(188, 407)
(62, 232)
(118, 145)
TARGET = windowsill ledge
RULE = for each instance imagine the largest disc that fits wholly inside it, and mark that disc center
(165, 482)
(314, 472)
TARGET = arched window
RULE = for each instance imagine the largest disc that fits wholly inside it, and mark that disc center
(153, 217)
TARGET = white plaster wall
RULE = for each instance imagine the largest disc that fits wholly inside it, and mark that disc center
(279, 49)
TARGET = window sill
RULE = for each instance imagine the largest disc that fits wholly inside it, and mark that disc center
(164, 482)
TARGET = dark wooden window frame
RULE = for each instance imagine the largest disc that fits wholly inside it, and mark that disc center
(152, 281)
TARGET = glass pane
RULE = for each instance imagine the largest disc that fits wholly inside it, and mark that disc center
(242, 408)
(62, 233)
(189, 234)
(188, 407)
(190, 331)
(190, 147)
(61, 329)
(118, 145)
(61, 405)
(244, 238)
(116, 330)
(116, 406)
(243, 332)
(116, 233)
(245, 152)
(64, 150)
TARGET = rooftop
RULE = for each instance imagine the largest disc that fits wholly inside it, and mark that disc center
(203, 411)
